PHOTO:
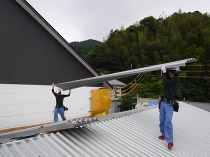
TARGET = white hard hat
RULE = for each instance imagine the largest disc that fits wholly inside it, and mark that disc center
(58, 91)
(175, 69)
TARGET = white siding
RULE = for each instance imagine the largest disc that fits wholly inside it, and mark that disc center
(25, 105)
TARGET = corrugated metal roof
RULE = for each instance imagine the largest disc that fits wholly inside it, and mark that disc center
(129, 134)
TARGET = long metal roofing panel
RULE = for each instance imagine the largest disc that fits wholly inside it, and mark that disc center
(108, 77)
(131, 134)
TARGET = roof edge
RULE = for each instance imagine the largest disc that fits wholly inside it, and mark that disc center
(34, 131)
(54, 33)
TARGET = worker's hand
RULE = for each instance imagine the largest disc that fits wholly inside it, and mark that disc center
(163, 69)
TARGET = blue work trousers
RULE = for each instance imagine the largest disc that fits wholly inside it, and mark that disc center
(166, 126)
(59, 110)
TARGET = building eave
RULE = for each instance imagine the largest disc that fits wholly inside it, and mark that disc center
(55, 34)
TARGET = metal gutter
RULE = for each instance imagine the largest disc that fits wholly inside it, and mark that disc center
(34, 131)
(105, 78)
(6, 137)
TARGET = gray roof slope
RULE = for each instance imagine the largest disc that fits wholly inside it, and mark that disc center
(134, 133)
(54, 33)
(49, 51)
(201, 105)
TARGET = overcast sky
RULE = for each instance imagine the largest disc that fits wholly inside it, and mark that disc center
(79, 20)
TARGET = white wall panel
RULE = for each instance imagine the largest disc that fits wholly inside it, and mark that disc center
(23, 105)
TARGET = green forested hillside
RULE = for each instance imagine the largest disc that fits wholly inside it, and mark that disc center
(154, 41)
(84, 47)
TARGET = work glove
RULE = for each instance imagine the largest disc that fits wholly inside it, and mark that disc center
(163, 69)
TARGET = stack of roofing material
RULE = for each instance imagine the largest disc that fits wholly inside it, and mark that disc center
(130, 133)
(105, 78)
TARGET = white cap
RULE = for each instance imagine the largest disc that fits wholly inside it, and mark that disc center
(58, 91)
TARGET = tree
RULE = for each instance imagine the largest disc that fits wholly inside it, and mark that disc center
(150, 23)
(157, 58)
(166, 59)
(84, 47)
(154, 41)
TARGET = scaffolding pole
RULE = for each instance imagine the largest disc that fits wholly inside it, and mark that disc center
(104, 78)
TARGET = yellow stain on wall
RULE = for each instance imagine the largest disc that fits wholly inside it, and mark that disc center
(100, 102)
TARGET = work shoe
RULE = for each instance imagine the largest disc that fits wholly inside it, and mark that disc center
(170, 145)
(162, 137)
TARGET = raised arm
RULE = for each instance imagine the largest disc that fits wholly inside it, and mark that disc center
(67, 94)
(53, 89)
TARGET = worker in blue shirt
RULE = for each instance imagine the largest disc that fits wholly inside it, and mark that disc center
(171, 81)
(59, 108)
